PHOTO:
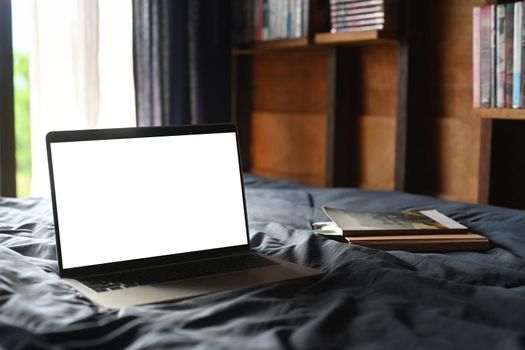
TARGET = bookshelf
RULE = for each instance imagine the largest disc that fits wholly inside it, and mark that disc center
(501, 141)
(378, 111)
(298, 105)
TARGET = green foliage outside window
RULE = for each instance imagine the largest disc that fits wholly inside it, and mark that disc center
(22, 124)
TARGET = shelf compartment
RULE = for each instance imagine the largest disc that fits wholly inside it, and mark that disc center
(349, 38)
(500, 113)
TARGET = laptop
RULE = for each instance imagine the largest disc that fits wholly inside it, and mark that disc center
(145, 215)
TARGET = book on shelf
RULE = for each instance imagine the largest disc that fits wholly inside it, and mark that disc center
(485, 32)
(517, 55)
(500, 54)
(509, 45)
(343, 11)
(362, 16)
(419, 231)
(498, 58)
(357, 28)
(358, 24)
(476, 55)
(351, 16)
(492, 56)
(263, 20)
(356, 5)
(522, 62)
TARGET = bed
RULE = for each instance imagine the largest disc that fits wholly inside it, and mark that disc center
(366, 299)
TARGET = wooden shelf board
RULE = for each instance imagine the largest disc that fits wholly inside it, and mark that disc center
(321, 39)
(500, 113)
(349, 38)
(272, 45)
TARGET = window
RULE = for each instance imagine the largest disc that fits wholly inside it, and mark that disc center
(78, 70)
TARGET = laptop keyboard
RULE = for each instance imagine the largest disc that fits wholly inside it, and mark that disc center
(104, 283)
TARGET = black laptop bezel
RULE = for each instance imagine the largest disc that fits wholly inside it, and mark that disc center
(139, 132)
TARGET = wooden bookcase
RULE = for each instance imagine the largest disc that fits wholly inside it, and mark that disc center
(305, 108)
(501, 168)
(378, 111)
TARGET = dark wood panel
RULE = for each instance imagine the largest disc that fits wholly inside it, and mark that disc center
(485, 157)
(377, 147)
(458, 157)
(507, 187)
(291, 82)
(411, 99)
(290, 146)
(344, 104)
(242, 104)
(378, 66)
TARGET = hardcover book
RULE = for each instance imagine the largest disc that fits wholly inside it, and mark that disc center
(422, 231)
(405, 223)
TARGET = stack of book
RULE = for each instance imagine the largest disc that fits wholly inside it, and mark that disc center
(417, 231)
(262, 20)
(498, 62)
(280, 19)
(356, 15)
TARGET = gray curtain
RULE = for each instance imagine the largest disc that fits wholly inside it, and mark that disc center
(7, 112)
(182, 61)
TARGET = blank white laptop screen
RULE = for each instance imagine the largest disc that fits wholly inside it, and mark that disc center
(125, 199)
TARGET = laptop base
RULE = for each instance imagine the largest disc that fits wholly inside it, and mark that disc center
(183, 289)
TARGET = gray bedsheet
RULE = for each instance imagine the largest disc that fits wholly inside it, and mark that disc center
(366, 299)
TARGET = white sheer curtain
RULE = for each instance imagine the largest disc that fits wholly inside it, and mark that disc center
(81, 72)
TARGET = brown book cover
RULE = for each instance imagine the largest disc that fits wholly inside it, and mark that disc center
(425, 242)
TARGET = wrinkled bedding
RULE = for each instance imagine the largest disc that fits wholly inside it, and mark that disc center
(366, 299)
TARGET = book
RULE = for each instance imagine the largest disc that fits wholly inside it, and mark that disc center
(516, 70)
(361, 16)
(259, 20)
(485, 56)
(305, 17)
(493, 31)
(394, 223)
(421, 243)
(476, 54)
(355, 11)
(522, 48)
(280, 19)
(417, 231)
(354, 3)
(501, 24)
(360, 23)
(509, 54)
(357, 28)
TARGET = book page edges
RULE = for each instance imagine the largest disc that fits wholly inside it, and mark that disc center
(443, 219)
